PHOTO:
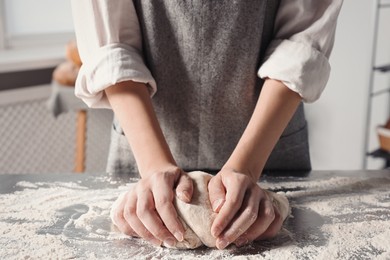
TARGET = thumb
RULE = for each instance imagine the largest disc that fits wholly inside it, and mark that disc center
(280, 202)
(217, 193)
(184, 188)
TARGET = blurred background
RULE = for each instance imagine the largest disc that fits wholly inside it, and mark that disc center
(44, 128)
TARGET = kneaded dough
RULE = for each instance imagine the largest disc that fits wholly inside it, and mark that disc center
(198, 216)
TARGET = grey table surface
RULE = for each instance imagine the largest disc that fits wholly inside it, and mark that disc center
(307, 233)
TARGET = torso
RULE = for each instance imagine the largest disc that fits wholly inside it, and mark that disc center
(204, 56)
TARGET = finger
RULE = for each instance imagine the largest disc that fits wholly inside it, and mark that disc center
(148, 216)
(116, 215)
(132, 219)
(244, 219)
(163, 199)
(184, 188)
(265, 218)
(234, 198)
(274, 228)
(281, 203)
(216, 193)
(117, 207)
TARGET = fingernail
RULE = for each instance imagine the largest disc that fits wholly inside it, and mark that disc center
(183, 196)
(179, 236)
(170, 241)
(241, 241)
(155, 242)
(222, 243)
(217, 204)
(216, 232)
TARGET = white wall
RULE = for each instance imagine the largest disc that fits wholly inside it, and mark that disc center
(37, 17)
(337, 121)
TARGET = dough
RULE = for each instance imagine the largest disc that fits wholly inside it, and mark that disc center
(198, 216)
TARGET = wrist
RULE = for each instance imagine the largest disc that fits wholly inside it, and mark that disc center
(157, 167)
(242, 168)
(247, 160)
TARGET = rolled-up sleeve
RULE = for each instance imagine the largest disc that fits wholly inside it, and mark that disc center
(304, 36)
(110, 46)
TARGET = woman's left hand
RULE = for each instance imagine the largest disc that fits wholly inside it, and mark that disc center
(245, 212)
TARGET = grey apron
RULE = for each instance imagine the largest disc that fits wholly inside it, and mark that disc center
(204, 56)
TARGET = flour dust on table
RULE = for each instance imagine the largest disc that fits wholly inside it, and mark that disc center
(332, 218)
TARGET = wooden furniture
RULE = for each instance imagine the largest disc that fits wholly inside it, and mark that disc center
(81, 128)
(63, 100)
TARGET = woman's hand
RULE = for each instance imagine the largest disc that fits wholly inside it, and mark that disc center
(245, 211)
(147, 210)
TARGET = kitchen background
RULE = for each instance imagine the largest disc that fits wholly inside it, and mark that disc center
(35, 138)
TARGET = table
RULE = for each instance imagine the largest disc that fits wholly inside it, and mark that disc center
(335, 215)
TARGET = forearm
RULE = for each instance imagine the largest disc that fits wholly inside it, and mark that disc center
(133, 108)
(274, 109)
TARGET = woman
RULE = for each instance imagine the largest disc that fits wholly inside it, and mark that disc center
(231, 77)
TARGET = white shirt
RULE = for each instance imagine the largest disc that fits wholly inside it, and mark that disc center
(110, 46)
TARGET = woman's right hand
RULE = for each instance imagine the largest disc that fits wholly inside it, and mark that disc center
(147, 210)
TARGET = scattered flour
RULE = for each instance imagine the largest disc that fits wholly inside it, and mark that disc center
(337, 218)
(25, 184)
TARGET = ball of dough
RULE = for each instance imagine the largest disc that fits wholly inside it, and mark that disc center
(198, 216)
(72, 53)
(66, 73)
